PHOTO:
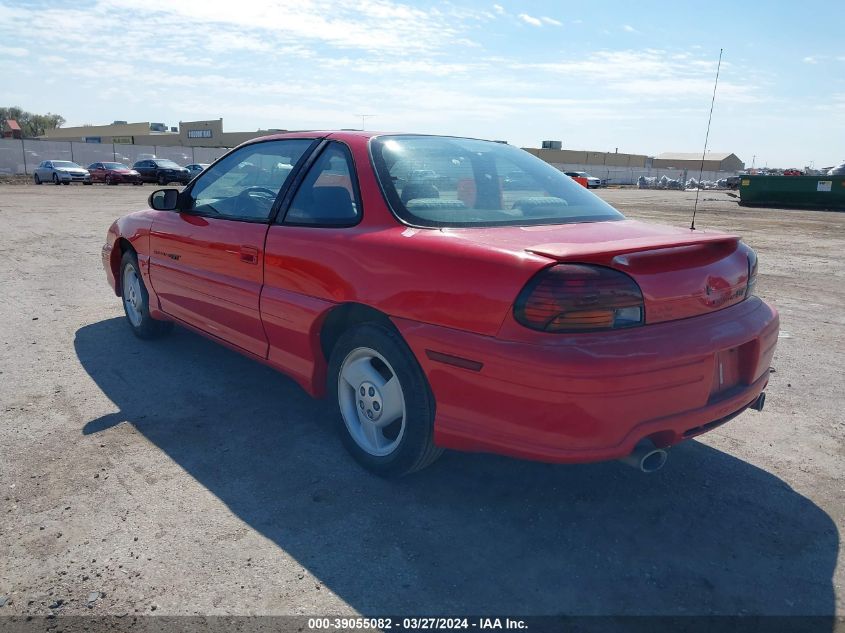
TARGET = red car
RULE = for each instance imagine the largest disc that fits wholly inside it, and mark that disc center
(114, 174)
(440, 309)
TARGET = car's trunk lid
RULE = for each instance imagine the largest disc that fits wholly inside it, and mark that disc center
(682, 273)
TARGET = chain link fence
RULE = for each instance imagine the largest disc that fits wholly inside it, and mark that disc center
(23, 156)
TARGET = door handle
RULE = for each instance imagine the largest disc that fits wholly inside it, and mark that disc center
(249, 254)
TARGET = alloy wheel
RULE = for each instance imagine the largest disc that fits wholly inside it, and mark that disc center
(371, 401)
(133, 300)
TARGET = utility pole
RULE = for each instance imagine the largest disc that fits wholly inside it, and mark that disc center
(364, 118)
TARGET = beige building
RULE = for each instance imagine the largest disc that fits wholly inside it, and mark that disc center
(713, 161)
(188, 134)
(577, 157)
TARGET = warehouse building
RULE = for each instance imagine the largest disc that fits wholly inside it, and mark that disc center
(577, 157)
(615, 168)
(187, 134)
(713, 161)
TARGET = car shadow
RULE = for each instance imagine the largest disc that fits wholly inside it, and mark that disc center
(472, 534)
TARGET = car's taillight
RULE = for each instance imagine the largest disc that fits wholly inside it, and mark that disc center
(579, 298)
(752, 273)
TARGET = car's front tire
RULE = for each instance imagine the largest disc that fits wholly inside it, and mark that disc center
(386, 406)
(37, 179)
(162, 181)
(136, 301)
(56, 180)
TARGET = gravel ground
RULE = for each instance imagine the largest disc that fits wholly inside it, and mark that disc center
(181, 478)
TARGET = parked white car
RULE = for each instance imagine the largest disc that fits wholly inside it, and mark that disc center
(592, 181)
(196, 168)
(61, 172)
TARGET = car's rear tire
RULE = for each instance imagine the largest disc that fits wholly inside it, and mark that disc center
(109, 180)
(136, 300)
(162, 181)
(37, 179)
(386, 406)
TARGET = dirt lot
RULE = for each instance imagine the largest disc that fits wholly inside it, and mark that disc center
(179, 477)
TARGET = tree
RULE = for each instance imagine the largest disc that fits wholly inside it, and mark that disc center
(32, 124)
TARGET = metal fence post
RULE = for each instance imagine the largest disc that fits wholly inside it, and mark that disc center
(23, 151)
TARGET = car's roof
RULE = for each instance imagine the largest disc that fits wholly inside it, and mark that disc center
(348, 134)
(338, 134)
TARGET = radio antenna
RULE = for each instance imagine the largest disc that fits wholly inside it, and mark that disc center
(706, 139)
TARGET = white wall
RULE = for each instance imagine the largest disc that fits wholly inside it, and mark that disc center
(629, 175)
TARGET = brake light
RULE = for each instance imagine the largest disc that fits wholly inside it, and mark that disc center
(579, 298)
(752, 273)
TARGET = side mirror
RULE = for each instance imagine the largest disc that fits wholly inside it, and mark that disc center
(164, 199)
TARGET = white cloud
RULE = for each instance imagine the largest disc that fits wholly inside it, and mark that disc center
(648, 74)
(551, 21)
(530, 19)
(629, 29)
(810, 60)
(13, 51)
(499, 9)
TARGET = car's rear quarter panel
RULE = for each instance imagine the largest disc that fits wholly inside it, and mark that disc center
(592, 396)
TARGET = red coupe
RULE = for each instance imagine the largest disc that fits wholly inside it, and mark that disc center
(113, 174)
(441, 309)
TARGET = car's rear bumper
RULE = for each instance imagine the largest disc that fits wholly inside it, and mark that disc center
(592, 397)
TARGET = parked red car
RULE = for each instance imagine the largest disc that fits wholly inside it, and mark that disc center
(113, 174)
(440, 309)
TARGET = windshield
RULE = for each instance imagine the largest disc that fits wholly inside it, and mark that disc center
(65, 164)
(439, 181)
(115, 166)
(167, 163)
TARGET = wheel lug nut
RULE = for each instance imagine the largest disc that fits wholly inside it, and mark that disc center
(369, 414)
(376, 406)
(363, 391)
(372, 392)
(361, 404)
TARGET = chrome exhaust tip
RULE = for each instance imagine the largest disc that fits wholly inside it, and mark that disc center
(646, 457)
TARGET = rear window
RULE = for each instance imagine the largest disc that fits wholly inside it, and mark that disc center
(437, 181)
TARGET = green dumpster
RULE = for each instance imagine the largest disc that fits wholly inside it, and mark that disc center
(810, 192)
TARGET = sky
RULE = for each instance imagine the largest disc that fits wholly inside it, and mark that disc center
(635, 77)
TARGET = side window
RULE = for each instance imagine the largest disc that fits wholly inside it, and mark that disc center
(328, 196)
(244, 185)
